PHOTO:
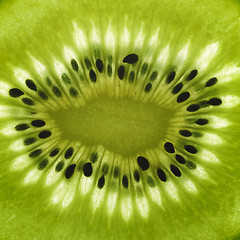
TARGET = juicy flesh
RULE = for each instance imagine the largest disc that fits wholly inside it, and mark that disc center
(123, 126)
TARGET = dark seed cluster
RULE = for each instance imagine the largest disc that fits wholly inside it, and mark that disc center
(143, 163)
(31, 85)
(171, 77)
(70, 170)
(177, 88)
(125, 181)
(69, 153)
(22, 127)
(131, 58)
(192, 75)
(175, 170)
(161, 175)
(15, 92)
(99, 65)
(35, 153)
(185, 133)
(101, 182)
(42, 164)
(121, 72)
(29, 141)
(180, 158)
(87, 169)
(54, 152)
(169, 147)
(136, 175)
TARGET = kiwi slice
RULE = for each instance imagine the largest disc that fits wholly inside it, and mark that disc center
(119, 119)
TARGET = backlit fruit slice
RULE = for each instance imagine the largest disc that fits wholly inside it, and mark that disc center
(119, 119)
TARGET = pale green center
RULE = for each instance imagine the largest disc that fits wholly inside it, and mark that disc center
(123, 125)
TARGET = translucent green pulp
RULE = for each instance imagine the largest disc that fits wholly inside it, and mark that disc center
(123, 126)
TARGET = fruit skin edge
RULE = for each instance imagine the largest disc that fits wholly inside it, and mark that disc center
(20, 211)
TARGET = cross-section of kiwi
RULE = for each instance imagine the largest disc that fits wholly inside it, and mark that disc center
(119, 119)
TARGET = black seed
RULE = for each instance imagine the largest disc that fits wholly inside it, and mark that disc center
(211, 82)
(65, 78)
(92, 76)
(150, 181)
(177, 88)
(74, 65)
(191, 165)
(28, 101)
(192, 75)
(15, 92)
(183, 97)
(193, 108)
(59, 166)
(105, 169)
(161, 175)
(143, 163)
(116, 172)
(69, 153)
(136, 176)
(35, 153)
(22, 127)
(31, 85)
(169, 147)
(171, 77)
(185, 133)
(29, 141)
(121, 72)
(190, 149)
(44, 134)
(109, 70)
(215, 101)
(202, 121)
(54, 152)
(73, 92)
(94, 157)
(57, 91)
(38, 123)
(125, 181)
(175, 170)
(99, 65)
(131, 58)
(87, 63)
(153, 76)
(180, 159)
(42, 164)
(42, 95)
(70, 170)
(87, 169)
(148, 87)
(131, 76)
(144, 68)
(101, 182)
(49, 82)
(204, 104)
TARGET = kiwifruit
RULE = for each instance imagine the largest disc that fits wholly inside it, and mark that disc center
(119, 119)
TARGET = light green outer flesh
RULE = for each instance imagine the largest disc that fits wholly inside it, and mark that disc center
(219, 217)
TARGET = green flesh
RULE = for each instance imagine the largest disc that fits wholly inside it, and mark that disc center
(103, 118)
(119, 120)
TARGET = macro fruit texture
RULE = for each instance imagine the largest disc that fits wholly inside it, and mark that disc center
(119, 119)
